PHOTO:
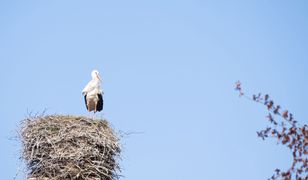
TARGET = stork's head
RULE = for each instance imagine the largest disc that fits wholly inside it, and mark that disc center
(95, 75)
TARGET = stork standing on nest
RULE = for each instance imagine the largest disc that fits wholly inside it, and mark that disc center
(93, 94)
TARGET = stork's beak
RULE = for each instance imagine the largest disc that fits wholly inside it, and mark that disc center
(98, 77)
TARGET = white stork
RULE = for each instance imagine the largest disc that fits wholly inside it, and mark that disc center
(93, 95)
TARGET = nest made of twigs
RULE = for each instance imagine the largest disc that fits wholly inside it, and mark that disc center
(69, 147)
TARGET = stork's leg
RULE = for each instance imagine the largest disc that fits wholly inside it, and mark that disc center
(88, 105)
(95, 104)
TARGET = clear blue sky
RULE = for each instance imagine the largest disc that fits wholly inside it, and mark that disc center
(169, 69)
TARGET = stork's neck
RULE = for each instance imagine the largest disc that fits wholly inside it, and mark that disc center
(95, 79)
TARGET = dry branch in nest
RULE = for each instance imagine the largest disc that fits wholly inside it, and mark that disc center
(69, 147)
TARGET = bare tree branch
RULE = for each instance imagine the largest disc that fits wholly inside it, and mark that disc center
(287, 131)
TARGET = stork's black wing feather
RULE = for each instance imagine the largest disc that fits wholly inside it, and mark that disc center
(85, 101)
(100, 102)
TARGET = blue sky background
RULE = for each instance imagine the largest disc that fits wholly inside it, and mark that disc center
(168, 69)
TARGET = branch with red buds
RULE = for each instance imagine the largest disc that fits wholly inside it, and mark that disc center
(287, 131)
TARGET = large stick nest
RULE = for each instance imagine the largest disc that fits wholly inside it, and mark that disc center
(69, 147)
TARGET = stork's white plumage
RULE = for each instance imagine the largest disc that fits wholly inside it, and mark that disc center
(93, 94)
